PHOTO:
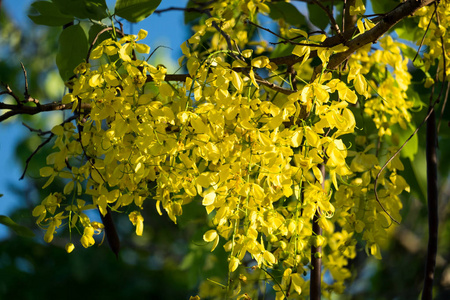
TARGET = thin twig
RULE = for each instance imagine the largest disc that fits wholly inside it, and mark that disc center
(46, 141)
(430, 112)
(119, 31)
(443, 107)
(27, 162)
(226, 37)
(299, 44)
(185, 9)
(26, 94)
(444, 72)
(334, 25)
(371, 36)
(392, 158)
(247, 21)
(284, 40)
(160, 46)
(8, 91)
(423, 37)
(39, 131)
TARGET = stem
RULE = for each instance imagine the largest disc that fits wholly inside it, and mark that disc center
(432, 194)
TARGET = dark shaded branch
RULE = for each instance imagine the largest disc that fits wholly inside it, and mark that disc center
(432, 188)
(432, 195)
(110, 231)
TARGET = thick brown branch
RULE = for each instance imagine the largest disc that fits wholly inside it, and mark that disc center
(371, 36)
(348, 21)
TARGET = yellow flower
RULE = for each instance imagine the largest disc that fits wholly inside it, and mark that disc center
(137, 220)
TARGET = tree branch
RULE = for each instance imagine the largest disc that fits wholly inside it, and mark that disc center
(371, 36)
(432, 195)
(334, 25)
(348, 21)
(16, 109)
(432, 186)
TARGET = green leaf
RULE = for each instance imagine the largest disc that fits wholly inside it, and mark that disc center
(412, 146)
(288, 12)
(282, 50)
(94, 30)
(317, 16)
(46, 13)
(408, 29)
(381, 7)
(419, 165)
(18, 229)
(190, 16)
(83, 9)
(73, 47)
(135, 10)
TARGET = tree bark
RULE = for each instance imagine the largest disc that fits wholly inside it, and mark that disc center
(432, 195)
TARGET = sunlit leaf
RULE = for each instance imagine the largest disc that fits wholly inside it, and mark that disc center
(135, 10)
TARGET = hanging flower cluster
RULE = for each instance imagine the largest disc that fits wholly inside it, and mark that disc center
(249, 154)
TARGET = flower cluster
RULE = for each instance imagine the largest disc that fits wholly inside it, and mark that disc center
(251, 156)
